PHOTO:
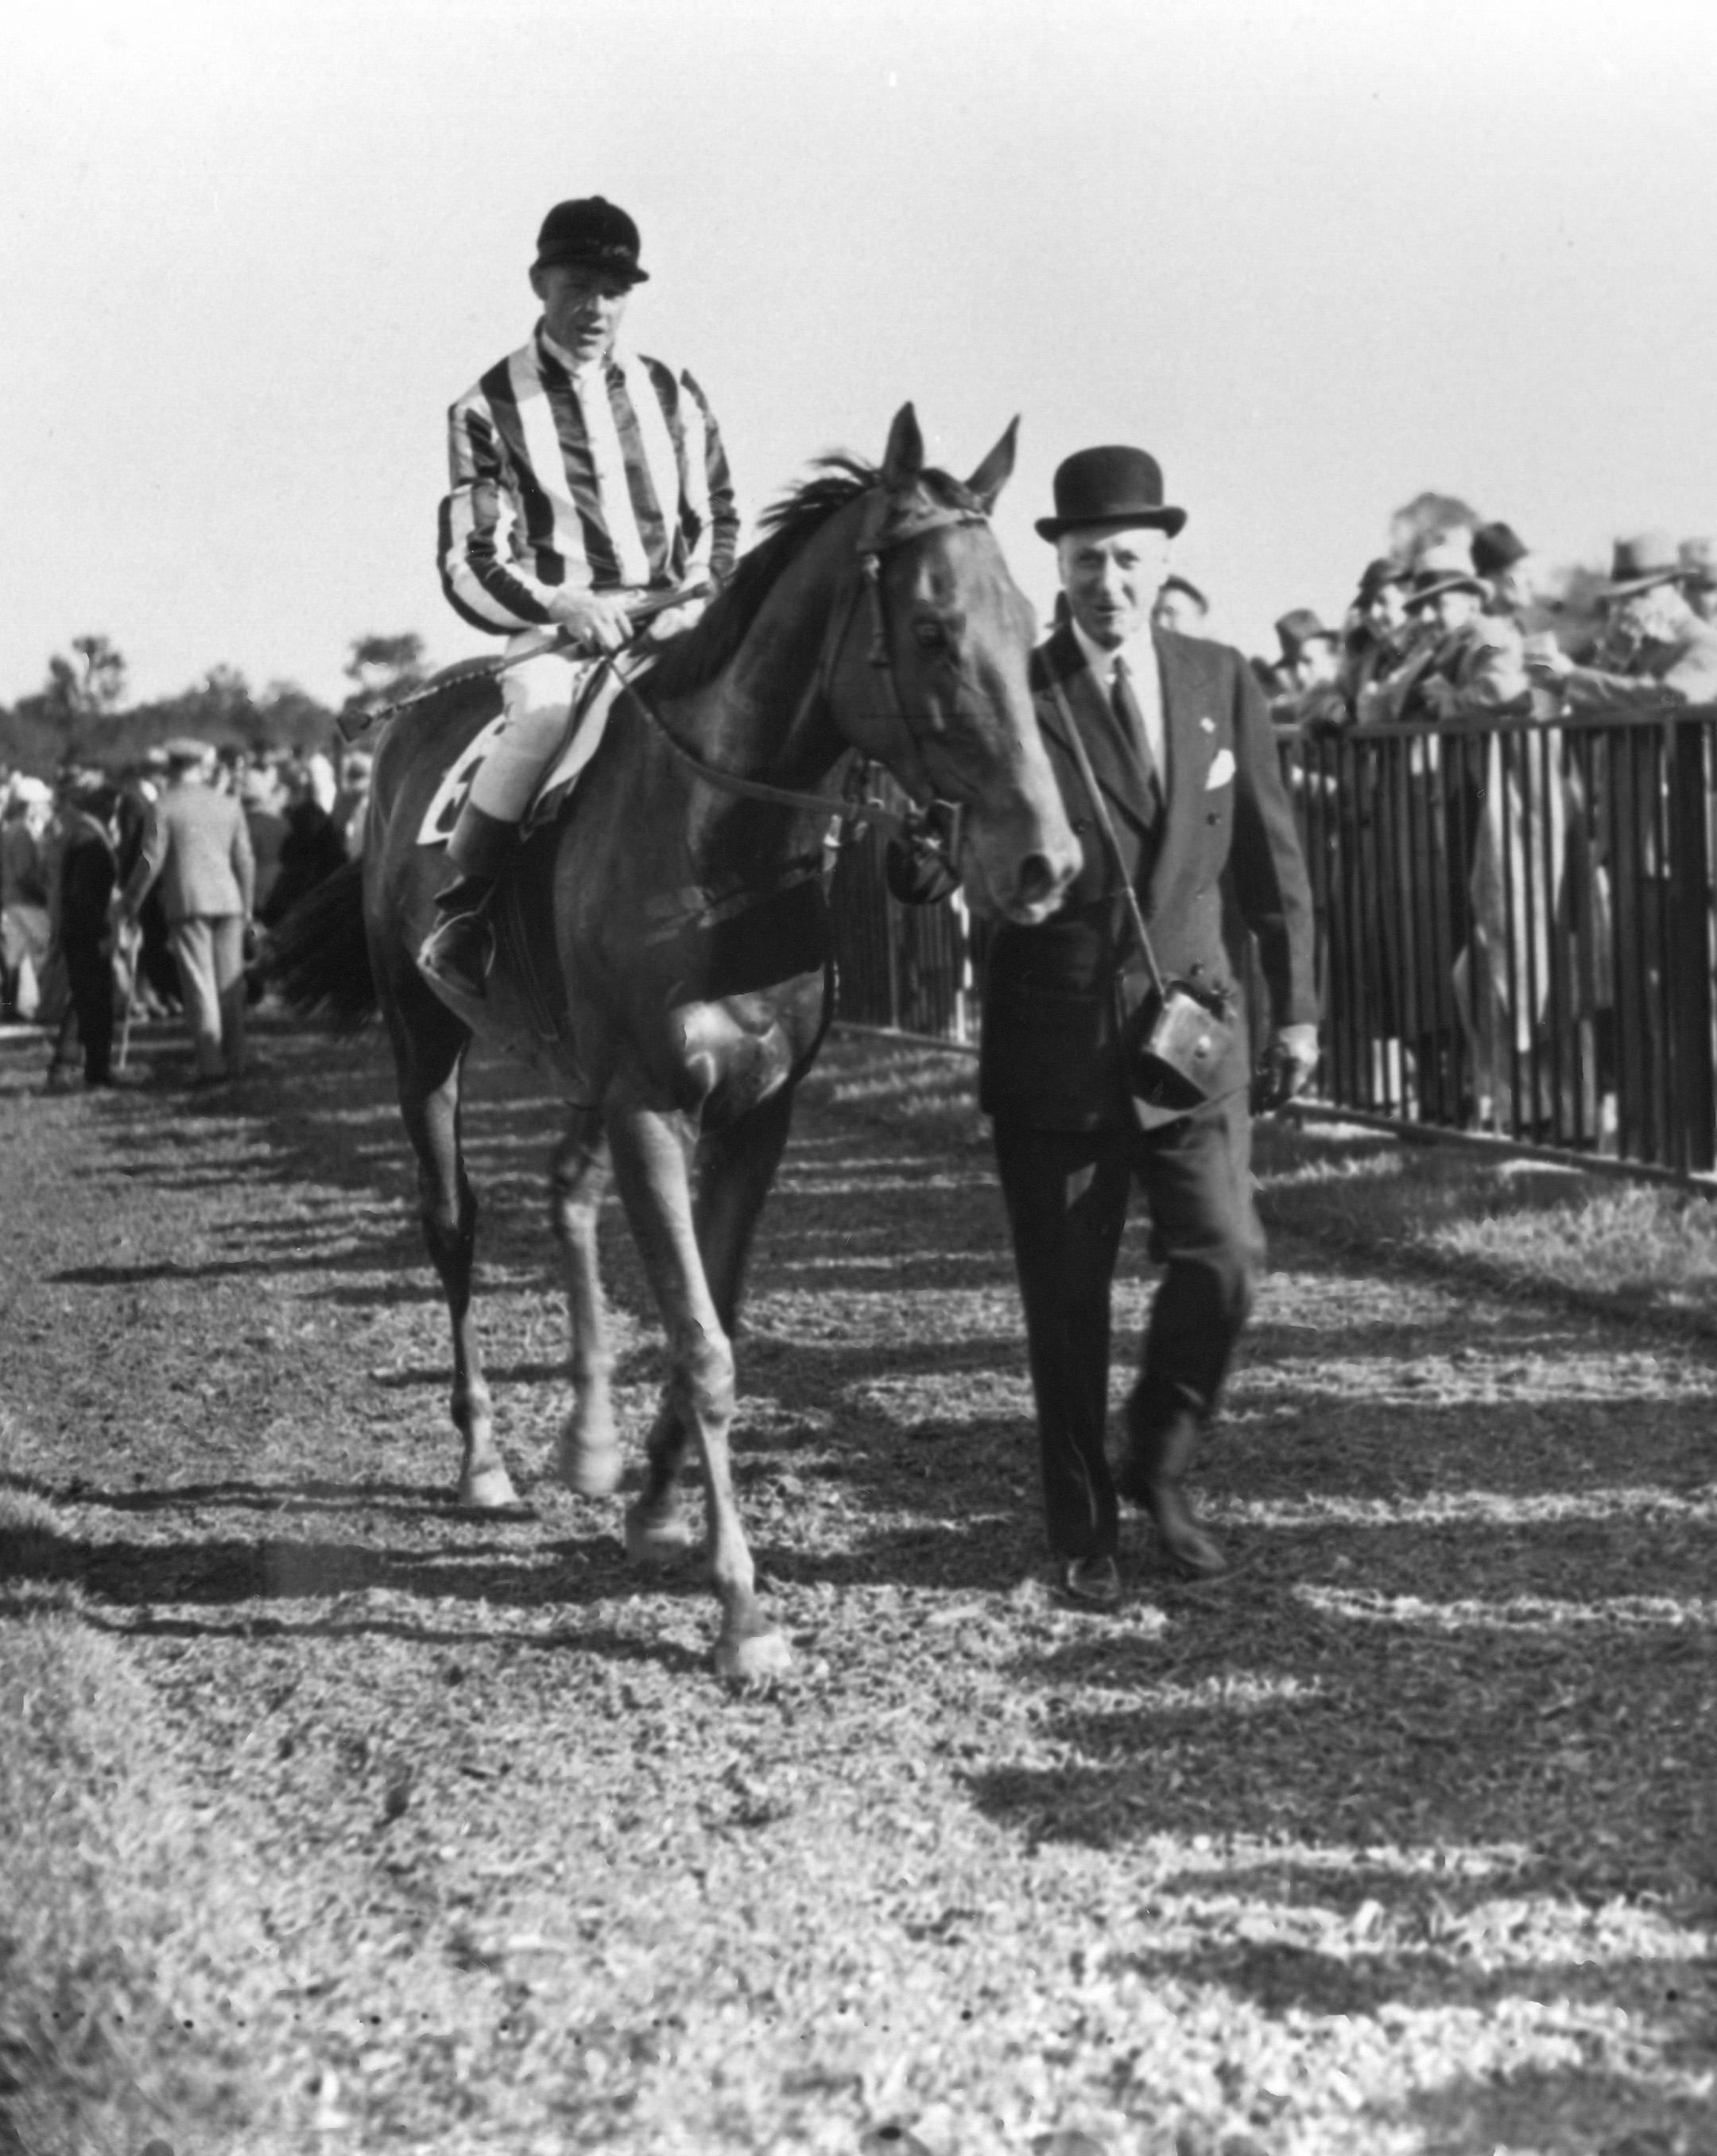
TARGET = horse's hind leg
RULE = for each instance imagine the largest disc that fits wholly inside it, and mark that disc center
(430, 1052)
(588, 1459)
(736, 1166)
(650, 1156)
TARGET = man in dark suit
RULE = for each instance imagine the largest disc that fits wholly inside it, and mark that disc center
(1179, 743)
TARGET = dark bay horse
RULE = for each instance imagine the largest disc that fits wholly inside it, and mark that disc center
(665, 945)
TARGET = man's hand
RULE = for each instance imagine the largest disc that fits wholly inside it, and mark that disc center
(1288, 1063)
(1439, 694)
(597, 620)
(1546, 662)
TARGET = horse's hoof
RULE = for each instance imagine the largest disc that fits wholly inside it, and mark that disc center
(488, 1490)
(752, 1657)
(590, 1470)
(658, 1534)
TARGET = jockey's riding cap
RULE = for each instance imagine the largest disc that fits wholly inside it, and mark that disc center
(591, 233)
(1110, 487)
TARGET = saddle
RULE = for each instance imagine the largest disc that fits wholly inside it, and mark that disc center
(593, 699)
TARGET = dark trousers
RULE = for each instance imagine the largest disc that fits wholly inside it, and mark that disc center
(89, 969)
(1066, 1193)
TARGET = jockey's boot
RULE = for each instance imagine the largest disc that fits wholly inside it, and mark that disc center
(459, 950)
(1151, 1474)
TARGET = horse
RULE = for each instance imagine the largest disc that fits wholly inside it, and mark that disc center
(665, 945)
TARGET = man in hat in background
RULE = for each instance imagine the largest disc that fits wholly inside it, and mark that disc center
(88, 873)
(1699, 578)
(1674, 658)
(1473, 667)
(1180, 606)
(584, 475)
(1179, 743)
(197, 845)
(1380, 637)
(1311, 663)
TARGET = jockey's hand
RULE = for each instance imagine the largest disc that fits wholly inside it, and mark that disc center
(1288, 1063)
(598, 620)
(676, 619)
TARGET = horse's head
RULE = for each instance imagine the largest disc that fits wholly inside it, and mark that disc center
(930, 675)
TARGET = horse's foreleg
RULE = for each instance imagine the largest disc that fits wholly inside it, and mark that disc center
(736, 1166)
(588, 1459)
(448, 1207)
(650, 1156)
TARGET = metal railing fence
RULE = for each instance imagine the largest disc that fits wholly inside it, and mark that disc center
(1514, 922)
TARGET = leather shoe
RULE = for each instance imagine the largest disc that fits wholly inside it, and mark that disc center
(1151, 1476)
(1092, 1583)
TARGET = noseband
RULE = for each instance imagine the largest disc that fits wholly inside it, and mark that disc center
(885, 526)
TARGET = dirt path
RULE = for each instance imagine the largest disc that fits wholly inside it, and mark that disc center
(1403, 1839)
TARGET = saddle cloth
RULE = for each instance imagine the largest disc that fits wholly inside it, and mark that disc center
(595, 688)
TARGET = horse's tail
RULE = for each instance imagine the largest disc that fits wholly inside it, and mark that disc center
(318, 956)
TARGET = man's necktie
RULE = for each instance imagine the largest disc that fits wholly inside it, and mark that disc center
(1132, 722)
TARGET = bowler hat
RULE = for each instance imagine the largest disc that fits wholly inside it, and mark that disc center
(1299, 629)
(186, 748)
(1110, 487)
(1641, 563)
(591, 233)
(1497, 547)
(1699, 563)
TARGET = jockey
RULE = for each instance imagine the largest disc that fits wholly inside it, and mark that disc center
(584, 475)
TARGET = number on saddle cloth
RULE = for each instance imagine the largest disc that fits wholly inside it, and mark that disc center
(455, 787)
(593, 699)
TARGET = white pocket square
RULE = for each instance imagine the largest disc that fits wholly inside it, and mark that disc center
(1222, 768)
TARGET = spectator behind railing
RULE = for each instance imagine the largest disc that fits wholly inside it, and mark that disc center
(1667, 654)
(1311, 665)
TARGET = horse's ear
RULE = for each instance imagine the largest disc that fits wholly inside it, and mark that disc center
(993, 473)
(903, 459)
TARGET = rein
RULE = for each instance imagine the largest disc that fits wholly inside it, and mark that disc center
(876, 537)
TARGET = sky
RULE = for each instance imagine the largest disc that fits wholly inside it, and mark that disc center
(1315, 255)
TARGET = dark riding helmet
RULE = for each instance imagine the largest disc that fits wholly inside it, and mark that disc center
(591, 233)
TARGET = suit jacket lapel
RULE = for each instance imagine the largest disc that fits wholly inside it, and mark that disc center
(1190, 746)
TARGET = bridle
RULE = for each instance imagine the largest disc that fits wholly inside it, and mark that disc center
(885, 525)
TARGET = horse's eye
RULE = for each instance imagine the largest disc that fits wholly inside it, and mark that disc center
(931, 635)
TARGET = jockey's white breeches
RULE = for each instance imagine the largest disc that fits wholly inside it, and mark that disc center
(538, 694)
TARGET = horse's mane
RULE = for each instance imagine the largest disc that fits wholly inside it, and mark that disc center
(698, 653)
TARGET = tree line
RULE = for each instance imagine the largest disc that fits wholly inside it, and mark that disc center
(82, 713)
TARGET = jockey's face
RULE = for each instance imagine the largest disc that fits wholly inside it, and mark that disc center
(1111, 578)
(581, 308)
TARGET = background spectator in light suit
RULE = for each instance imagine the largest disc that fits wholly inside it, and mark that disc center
(197, 845)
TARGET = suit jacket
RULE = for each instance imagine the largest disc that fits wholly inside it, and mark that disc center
(1686, 668)
(1051, 1054)
(198, 844)
(87, 875)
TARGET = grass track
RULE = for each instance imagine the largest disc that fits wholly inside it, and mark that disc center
(440, 1837)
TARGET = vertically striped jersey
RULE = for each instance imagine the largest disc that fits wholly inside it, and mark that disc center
(615, 477)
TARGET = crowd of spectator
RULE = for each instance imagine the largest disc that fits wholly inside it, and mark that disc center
(1466, 628)
(98, 894)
